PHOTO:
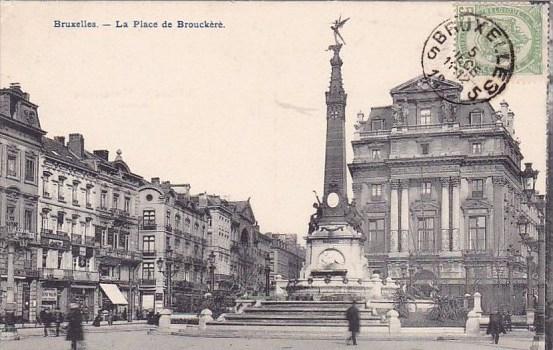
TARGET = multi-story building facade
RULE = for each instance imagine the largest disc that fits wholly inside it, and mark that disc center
(218, 238)
(439, 185)
(88, 228)
(287, 255)
(173, 235)
(20, 144)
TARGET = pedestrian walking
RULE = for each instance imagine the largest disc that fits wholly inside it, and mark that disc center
(352, 315)
(495, 327)
(74, 326)
(110, 318)
(58, 319)
(46, 321)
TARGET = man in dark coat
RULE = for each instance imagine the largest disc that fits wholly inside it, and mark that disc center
(46, 320)
(58, 319)
(74, 326)
(352, 315)
(495, 327)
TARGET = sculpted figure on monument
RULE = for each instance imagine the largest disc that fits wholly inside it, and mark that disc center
(353, 217)
(315, 217)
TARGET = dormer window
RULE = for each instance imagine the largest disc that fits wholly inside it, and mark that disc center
(475, 118)
(425, 117)
(377, 124)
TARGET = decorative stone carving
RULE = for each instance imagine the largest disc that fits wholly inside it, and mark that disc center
(444, 181)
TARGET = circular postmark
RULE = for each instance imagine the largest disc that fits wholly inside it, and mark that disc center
(484, 41)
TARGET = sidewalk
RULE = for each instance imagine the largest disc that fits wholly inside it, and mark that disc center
(32, 330)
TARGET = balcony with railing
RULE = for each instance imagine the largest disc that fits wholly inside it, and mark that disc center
(122, 254)
(148, 225)
(52, 274)
(149, 253)
(76, 239)
(26, 272)
(147, 281)
(50, 234)
(86, 276)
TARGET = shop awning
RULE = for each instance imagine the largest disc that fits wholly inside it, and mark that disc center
(114, 294)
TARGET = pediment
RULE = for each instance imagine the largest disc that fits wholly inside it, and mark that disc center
(422, 84)
(429, 205)
(476, 203)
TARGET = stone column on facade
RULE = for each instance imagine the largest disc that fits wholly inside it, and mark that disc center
(404, 215)
(394, 216)
(457, 236)
(498, 213)
(445, 215)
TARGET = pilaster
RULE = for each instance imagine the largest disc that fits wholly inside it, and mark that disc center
(394, 216)
(445, 215)
(404, 244)
(457, 234)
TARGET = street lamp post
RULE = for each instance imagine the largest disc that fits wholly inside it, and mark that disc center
(211, 260)
(267, 272)
(11, 239)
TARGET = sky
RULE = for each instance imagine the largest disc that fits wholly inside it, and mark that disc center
(237, 111)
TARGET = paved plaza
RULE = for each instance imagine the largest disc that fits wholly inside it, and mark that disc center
(110, 338)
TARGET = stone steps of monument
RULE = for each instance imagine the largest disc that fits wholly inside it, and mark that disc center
(292, 323)
(307, 304)
(321, 318)
(303, 311)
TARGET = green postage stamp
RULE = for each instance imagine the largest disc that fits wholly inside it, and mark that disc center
(522, 24)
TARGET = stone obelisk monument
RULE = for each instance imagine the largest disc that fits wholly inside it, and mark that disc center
(335, 243)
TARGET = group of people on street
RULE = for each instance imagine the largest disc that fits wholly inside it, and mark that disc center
(48, 317)
(74, 320)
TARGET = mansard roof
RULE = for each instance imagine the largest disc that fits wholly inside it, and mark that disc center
(55, 150)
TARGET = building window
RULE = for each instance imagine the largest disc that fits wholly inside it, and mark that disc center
(477, 188)
(376, 191)
(127, 204)
(149, 217)
(375, 154)
(148, 271)
(61, 196)
(87, 197)
(476, 148)
(425, 234)
(10, 216)
(103, 199)
(115, 201)
(425, 117)
(74, 194)
(425, 148)
(59, 222)
(28, 220)
(30, 169)
(477, 233)
(45, 187)
(377, 124)
(148, 244)
(475, 118)
(12, 164)
(375, 236)
(426, 188)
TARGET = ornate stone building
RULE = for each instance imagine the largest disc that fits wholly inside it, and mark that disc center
(20, 144)
(287, 255)
(173, 241)
(88, 228)
(440, 188)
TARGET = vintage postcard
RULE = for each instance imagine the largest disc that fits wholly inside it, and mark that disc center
(300, 175)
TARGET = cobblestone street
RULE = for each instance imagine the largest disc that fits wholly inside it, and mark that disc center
(139, 339)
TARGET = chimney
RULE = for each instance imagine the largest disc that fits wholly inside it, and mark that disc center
(60, 139)
(155, 180)
(202, 200)
(102, 153)
(76, 144)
